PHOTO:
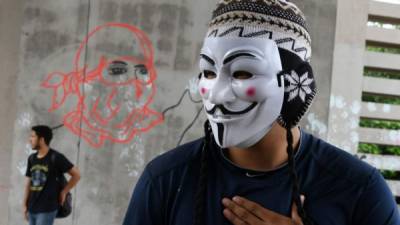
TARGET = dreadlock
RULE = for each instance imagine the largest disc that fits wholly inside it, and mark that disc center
(294, 178)
(200, 196)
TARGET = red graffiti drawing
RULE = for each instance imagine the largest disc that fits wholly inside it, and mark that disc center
(113, 90)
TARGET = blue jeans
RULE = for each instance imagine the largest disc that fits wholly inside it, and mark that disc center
(46, 218)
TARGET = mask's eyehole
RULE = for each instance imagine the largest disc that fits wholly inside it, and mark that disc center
(209, 74)
(242, 75)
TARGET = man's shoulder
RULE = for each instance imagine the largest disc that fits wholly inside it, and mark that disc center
(175, 158)
(334, 161)
(32, 156)
(55, 154)
(54, 151)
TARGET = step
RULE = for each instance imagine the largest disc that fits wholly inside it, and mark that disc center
(382, 162)
(384, 86)
(384, 10)
(380, 111)
(379, 136)
(382, 35)
(394, 185)
(382, 60)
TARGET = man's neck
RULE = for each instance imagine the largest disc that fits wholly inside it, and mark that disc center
(42, 152)
(269, 153)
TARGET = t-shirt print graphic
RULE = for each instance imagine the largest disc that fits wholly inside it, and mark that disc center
(39, 177)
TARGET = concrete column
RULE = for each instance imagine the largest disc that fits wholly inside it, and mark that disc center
(347, 73)
(321, 20)
(10, 26)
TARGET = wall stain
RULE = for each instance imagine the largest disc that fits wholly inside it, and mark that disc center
(41, 43)
(40, 15)
(148, 12)
(167, 26)
(108, 11)
(183, 60)
(164, 45)
(169, 14)
(113, 48)
(130, 13)
(82, 18)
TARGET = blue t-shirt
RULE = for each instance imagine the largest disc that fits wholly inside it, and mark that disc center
(339, 188)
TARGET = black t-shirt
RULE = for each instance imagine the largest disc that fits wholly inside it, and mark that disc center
(339, 188)
(45, 187)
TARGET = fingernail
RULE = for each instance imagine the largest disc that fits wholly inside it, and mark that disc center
(236, 199)
(225, 201)
(302, 198)
(226, 212)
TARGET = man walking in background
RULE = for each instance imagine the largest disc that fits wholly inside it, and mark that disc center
(43, 190)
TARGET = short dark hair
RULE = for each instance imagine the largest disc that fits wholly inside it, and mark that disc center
(43, 131)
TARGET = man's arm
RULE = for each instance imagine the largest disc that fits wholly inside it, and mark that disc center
(75, 177)
(26, 197)
(146, 205)
(376, 204)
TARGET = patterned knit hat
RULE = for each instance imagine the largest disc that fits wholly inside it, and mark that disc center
(284, 23)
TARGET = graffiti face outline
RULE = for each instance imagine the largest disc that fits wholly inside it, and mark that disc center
(108, 117)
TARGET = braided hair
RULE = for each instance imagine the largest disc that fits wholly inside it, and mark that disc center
(288, 120)
(200, 196)
(295, 180)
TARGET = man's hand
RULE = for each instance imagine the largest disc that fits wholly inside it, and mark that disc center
(63, 196)
(25, 212)
(241, 211)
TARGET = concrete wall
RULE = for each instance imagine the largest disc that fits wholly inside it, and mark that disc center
(347, 73)
(50, 38)
(10, 26)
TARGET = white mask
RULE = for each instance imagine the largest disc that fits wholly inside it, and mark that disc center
(240, 89)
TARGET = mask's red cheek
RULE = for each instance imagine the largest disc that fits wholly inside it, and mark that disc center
(203, 91)
(251, 92)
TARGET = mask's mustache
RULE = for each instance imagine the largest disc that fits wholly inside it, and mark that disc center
(226, 111)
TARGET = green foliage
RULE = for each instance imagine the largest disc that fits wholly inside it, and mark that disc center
(381, 74)
(369, 148)
(390, 174)
(378, 149)
(383, 25)
(383, 49)
(380, 99)
(393, 150)
(381, 124)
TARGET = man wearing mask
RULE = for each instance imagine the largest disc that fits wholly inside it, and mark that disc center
(255, 166)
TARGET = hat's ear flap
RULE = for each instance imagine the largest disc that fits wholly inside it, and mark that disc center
(300, 89)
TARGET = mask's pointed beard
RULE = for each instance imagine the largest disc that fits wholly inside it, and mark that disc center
(295, 182)
(221, 133)
(200, 196)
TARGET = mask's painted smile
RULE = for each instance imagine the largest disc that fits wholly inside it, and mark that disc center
(220, 114)
(227, 112)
